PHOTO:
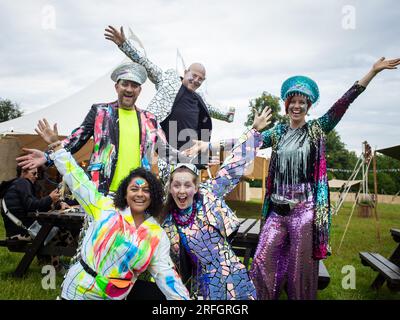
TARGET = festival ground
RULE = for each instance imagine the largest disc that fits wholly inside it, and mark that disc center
(361, 236)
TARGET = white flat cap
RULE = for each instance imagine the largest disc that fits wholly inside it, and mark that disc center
(130, 71)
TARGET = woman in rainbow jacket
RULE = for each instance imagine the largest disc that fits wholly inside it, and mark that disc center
(124, 238)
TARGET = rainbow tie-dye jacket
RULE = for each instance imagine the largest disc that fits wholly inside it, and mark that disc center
(113, 246)
(102, 124)
(317, 130)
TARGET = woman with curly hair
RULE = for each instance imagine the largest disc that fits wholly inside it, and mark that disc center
(124, 238)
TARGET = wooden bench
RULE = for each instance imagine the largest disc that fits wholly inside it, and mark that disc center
(24, 246)
(245, 242)
(389, 269)
(15, 245)
(36, 246)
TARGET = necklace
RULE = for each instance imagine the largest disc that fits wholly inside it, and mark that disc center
(188, 221)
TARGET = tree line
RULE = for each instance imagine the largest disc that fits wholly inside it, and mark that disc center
(337, 155)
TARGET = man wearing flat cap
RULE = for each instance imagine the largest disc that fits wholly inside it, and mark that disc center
(125, 137)
(183, 113)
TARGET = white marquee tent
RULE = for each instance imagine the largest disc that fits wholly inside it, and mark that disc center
(68, 113)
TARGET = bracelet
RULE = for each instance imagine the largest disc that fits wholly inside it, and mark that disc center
(49, 162)
(54, 145)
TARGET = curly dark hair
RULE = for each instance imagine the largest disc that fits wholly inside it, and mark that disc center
(156, 191)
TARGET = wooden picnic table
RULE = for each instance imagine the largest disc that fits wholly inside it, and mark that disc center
(245, 243)
(388, 269)
(48, 220)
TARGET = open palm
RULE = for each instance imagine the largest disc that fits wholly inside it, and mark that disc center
(382, 64)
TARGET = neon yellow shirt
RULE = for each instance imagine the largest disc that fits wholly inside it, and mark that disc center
(129, 146)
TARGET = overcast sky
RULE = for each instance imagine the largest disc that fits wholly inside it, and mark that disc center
(52, 49)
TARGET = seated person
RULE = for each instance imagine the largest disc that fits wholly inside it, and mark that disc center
(20, 199)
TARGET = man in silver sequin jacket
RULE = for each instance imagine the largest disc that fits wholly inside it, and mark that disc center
(171, 91)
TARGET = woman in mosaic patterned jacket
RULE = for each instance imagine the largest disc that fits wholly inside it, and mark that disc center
(295, 235)
(198, 222)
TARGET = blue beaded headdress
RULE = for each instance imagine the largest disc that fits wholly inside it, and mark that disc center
(300, 85)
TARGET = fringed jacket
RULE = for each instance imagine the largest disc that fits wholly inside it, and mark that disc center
(213, 208)
(317, 130)
(102, 123)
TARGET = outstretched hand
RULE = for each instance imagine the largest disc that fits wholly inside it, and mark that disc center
(46, 132)
(377, 67)
(33, 159)
(261, 120)
(198, 146)
(382, 64)
(112, 34)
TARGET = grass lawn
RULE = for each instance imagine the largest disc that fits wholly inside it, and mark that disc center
(361, 236)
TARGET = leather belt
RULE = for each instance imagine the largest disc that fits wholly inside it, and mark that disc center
(88, 269)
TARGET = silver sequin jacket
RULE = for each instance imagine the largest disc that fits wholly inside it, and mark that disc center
(167, 85)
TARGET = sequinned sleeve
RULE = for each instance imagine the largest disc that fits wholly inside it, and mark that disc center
(267, 139)
(330, 119)
(234, 166)
(79, 136)
(163, 272)
(93, 202)
(153, 71)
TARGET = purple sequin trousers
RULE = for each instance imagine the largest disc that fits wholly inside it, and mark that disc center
(284, 256)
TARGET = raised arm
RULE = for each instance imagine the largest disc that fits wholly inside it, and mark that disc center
(84, 190)
(79, 136)
(241, 157)
(35, 158)
(378, 66)
(330, 119)
(127, 46)
(163, 272)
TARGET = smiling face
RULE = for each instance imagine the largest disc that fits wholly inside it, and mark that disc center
(128, 92)
(138, 195)
(297, 109)
(194, 76)
(183, 188)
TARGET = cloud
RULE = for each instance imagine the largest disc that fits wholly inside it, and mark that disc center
(247, 48)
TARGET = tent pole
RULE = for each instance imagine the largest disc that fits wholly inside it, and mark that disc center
(378, 233)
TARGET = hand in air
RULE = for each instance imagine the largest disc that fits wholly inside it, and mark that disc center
(261, 120)
(112, 34)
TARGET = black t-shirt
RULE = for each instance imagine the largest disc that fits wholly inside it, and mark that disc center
(185, 114)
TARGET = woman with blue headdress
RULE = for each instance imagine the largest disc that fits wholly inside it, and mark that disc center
(296, 207)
